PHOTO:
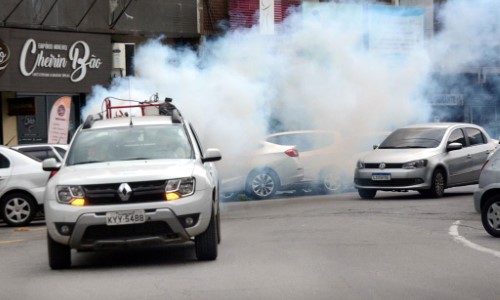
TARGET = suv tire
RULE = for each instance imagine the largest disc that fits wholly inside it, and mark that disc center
(490, 215)
(206, 242)
(18, 209)
(59, 254)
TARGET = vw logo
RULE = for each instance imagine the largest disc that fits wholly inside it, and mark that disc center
(382, 166)
(124, 191)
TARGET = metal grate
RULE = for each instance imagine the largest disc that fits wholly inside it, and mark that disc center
(147, 191)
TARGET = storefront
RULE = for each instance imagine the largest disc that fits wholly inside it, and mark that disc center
(39, 67)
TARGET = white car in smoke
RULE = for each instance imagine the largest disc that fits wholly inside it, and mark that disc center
(427, 158)
(261, 173)
(322, 156)
(133, 181)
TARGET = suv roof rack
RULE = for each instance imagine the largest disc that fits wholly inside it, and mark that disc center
(148, 107)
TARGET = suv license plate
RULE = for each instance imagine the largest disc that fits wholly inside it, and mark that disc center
(381, 176)
(125, 217)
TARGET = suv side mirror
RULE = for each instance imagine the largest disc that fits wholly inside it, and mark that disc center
(212, 154)
(454, 146)
(51, 164)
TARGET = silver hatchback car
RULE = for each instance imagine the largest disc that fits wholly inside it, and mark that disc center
(426, 157)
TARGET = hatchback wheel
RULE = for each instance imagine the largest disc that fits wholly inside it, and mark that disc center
(262, 184)
(331, 182)
(18, 209)
(490, 215)
(367, 194)
(438, 184)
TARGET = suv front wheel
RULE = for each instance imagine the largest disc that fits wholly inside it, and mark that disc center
(206, 243)
(490, 215)
(59, 254)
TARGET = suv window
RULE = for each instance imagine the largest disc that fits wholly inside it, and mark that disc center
(475, 136)
(130, 143)
(457, 136)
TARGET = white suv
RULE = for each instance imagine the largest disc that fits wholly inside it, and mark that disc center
(133, 181)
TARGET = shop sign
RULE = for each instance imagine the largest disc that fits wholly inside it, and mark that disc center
(448, 100)
(53, 62)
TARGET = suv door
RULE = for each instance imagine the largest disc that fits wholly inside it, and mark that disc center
(479, 149)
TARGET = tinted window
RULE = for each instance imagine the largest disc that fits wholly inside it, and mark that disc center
(61, 151)
(457, 136)
(303, 141)
(475, 136)
(4, 162)
(40, 153)
(414, 138)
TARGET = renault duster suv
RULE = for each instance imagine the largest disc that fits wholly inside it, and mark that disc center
(132, 181)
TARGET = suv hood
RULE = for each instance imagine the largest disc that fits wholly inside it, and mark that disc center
(126, 171)
(398, 155)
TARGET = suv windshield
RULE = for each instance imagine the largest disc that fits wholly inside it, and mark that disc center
(130, 143)
(414, 138)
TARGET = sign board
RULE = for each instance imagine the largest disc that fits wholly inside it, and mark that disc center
(266, 16)
(34, 61)
(21, 106)
(447, 100)
(59, 121)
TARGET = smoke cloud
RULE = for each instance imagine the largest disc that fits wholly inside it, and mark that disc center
(315, 72)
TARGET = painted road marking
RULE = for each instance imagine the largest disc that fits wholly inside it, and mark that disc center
(12, 241)
(460, 239)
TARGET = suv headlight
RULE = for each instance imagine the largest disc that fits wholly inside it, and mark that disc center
(180, 187)
(360, 165)
(70, 194)
(421, 163)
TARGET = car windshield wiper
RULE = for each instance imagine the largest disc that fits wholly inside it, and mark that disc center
(411, 147)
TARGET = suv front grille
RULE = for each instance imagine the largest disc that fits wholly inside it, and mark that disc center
(148, 229)
(147, 191)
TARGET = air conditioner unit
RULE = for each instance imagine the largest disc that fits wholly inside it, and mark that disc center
(119, 64)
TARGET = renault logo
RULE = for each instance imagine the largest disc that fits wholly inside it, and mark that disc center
(124, 191)
(381, 166)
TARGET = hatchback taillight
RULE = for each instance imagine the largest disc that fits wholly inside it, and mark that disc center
(292, 152)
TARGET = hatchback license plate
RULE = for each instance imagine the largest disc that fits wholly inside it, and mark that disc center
(381, 176)
(125, 217)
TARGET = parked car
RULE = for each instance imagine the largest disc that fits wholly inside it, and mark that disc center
(487, 194)
(43, 151)
(326, 159)
(263, 172)
(427, 158)
(22, 185)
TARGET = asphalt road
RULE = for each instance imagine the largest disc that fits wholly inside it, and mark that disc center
(397, 246)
